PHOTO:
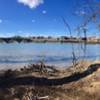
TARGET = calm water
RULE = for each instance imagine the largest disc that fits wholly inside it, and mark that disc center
(50, 53)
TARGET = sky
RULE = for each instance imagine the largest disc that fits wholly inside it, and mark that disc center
(39, 17)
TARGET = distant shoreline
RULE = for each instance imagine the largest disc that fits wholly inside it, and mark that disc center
(41, 39)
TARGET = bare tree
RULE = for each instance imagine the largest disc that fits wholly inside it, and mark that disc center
(74, 58)
(89, 10)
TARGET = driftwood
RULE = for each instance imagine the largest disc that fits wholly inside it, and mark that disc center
(42, 98)
(28, 97)
(40, 67)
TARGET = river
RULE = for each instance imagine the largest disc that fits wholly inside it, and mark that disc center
(57, 54)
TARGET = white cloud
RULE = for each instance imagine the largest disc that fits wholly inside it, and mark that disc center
(44, 11)
(1, 20)
(81, 12)
(31, 3)
(7, 34)
(20, 31)
(33, 20)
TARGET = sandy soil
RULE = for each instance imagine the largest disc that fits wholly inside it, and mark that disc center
(81, 82)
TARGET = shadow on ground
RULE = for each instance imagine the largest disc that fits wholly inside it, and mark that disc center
(40, 81)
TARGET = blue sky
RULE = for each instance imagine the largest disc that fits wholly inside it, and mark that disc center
(38, 17)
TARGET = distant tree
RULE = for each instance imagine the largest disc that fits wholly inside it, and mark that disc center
(18, 38)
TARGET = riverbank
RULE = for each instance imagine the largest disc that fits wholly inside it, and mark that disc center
(43, 82)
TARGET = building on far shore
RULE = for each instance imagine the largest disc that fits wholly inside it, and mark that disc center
(93, 39)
